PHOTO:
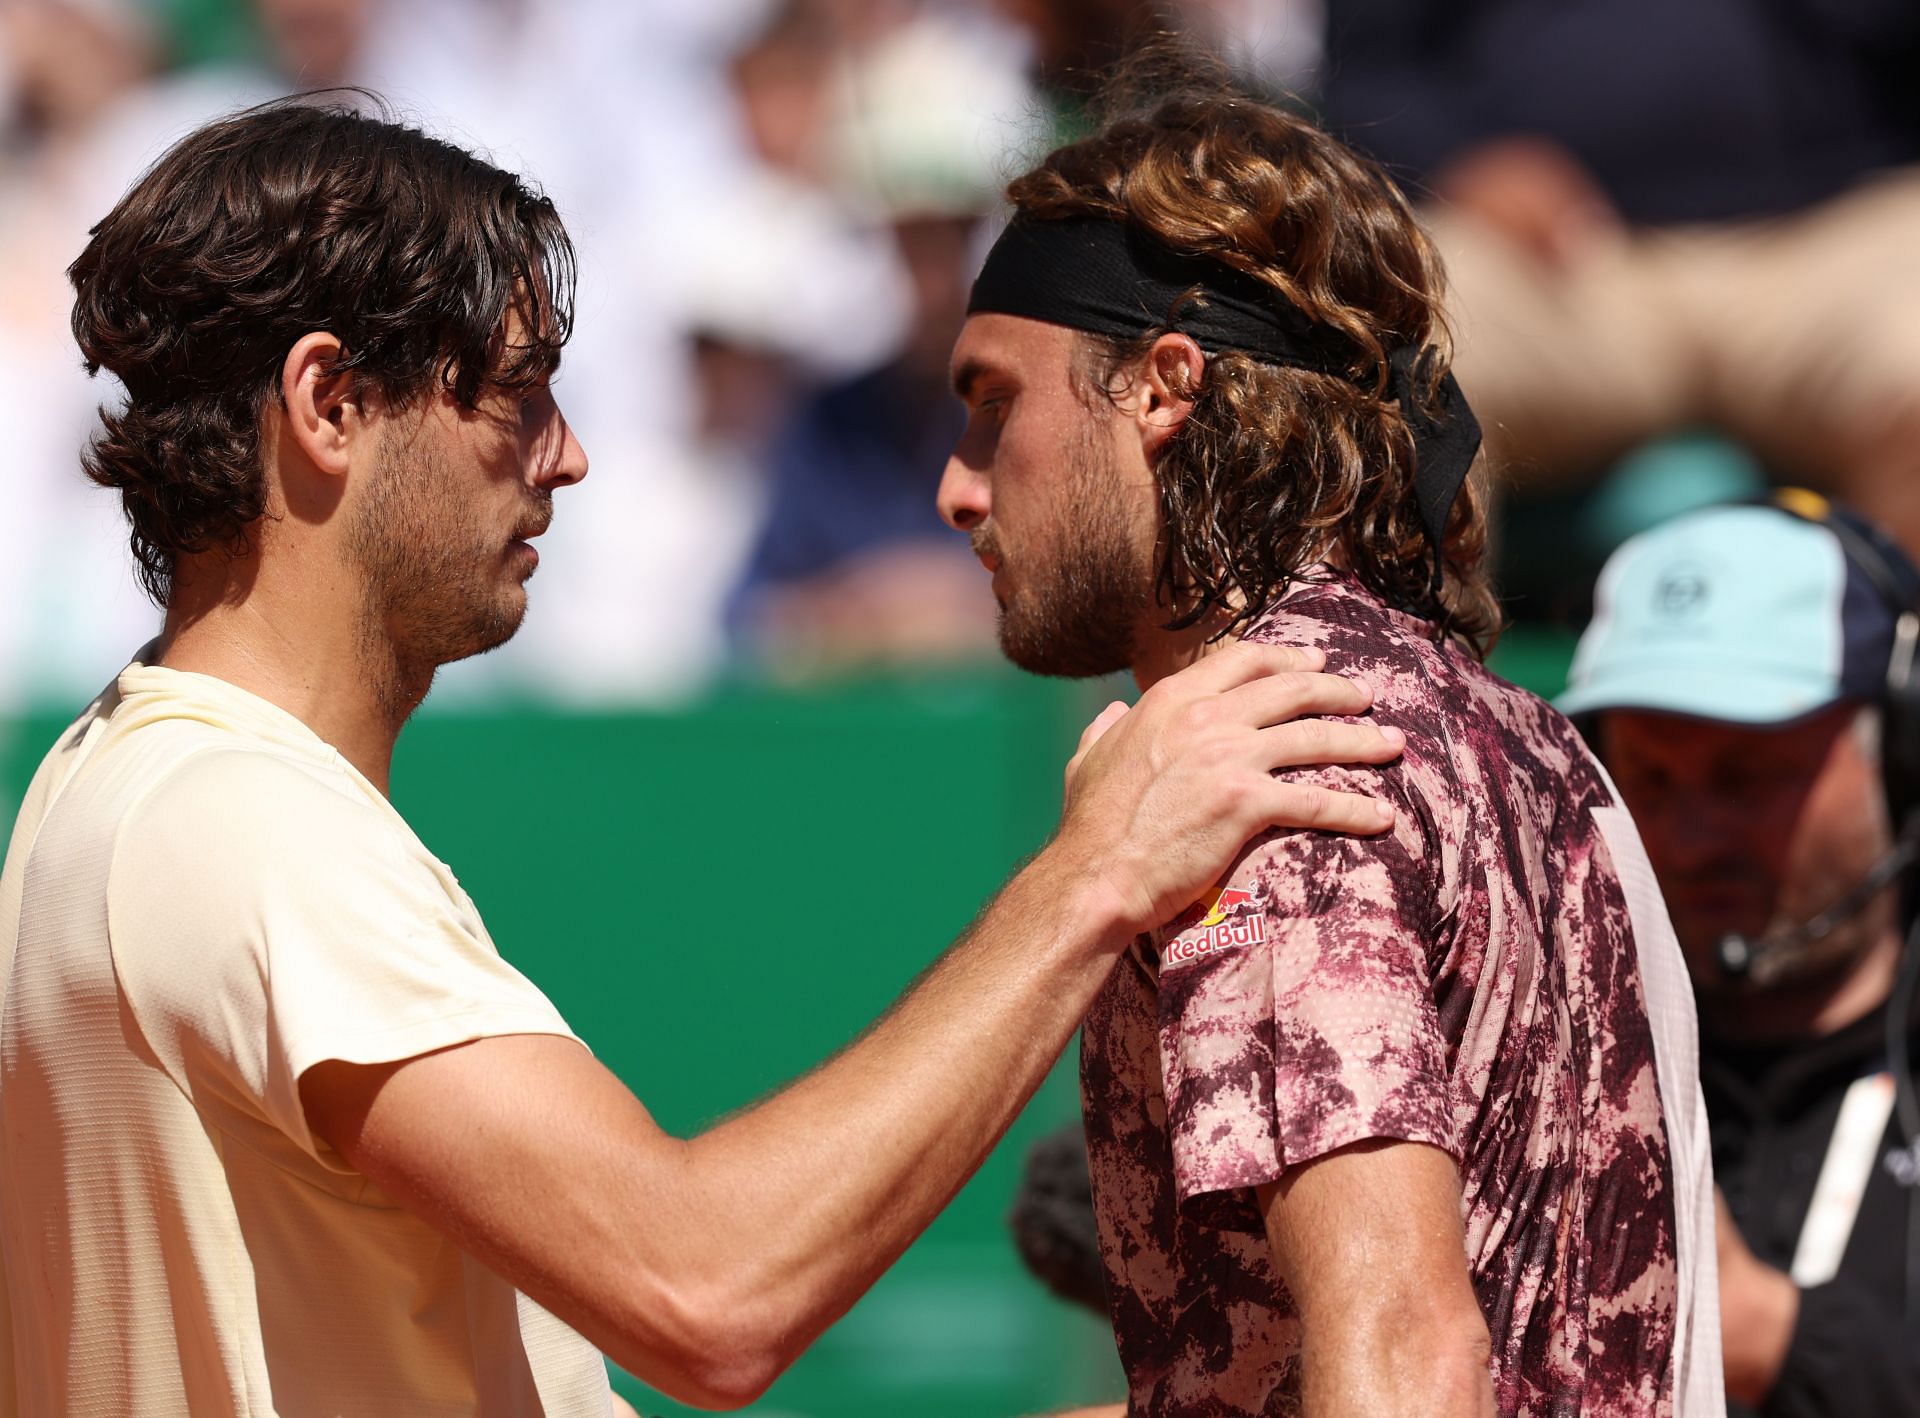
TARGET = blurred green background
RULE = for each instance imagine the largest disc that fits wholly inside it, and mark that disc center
(719, 896)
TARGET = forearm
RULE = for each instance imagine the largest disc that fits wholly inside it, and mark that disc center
(795, 1207)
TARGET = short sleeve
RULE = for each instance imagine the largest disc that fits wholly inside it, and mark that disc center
(264, 919)
(1296, 1015)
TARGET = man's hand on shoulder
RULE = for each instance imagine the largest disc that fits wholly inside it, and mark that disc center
(1162, 797)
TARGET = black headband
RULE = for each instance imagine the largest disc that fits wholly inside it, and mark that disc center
(1109, 278)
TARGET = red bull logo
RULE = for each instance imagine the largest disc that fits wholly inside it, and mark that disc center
(1230, 919)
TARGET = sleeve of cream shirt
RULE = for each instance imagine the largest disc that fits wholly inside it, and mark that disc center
(265, 916)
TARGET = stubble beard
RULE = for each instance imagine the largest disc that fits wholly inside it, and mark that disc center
(1083, 597)
(436, 590)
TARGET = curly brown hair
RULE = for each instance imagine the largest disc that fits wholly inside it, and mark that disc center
(296, 216)
(1276, 468)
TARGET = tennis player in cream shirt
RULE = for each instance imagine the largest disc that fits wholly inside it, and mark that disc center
(280, 1132)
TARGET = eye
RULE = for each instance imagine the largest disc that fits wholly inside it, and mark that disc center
(1645, 780)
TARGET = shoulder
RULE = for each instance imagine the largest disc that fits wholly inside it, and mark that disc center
(248, 796)
(246, 865)
(1360, 634)
(231, 834)
(1440, 693)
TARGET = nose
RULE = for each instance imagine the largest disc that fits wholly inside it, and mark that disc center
(1699, 835)
(565, 461)
(964, 497)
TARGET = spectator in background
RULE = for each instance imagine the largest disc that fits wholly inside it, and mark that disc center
(79, 113)
(1658, 215)
(1271, 46)
(1736, 680)
(88, 106)
(852, 564)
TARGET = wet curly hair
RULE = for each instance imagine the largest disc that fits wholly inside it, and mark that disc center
(256, 229)
(1276, 467)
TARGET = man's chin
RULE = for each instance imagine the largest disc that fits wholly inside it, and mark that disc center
(1061, 657)
(485, 633)
(494, 633)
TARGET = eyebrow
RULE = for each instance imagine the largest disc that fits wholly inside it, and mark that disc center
(966, 376)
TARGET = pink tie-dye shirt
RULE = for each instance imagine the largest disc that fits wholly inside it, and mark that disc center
(1468, 981)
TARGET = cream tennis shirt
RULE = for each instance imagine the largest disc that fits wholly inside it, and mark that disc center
(200, 902)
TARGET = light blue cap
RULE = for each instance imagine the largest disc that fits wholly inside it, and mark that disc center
(1743, 614)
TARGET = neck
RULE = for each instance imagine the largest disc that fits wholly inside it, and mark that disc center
(1159, 652)
(1809, 1009)
(308, 649)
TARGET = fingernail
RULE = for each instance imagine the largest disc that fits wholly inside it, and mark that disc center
(1394, 736)
(1384, 812)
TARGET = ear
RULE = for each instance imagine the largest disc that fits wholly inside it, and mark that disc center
(1167, 385)
(324, 411)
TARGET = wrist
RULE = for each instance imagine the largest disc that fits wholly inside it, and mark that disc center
(1088, 904)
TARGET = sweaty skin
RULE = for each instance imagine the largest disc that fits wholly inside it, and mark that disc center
(1370, 1241)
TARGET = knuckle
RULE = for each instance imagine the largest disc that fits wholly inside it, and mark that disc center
(1355, 742)
(1218, 754)
(1313, 803)
(1199, 715)
(1315, 736)
(1331, 689)
(1299, 692)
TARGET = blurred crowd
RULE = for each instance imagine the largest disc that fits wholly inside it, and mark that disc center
(1679, 236)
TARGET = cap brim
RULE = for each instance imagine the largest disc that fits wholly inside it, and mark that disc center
(1732, 695)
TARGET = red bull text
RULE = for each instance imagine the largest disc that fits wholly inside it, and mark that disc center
(1210, 928)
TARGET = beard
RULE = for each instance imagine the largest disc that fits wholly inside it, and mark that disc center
(437, 584)
(1079, 600)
